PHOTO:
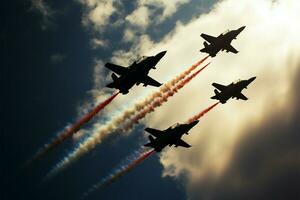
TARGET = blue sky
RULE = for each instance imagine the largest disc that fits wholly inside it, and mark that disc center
(49, 63)
(53, 67)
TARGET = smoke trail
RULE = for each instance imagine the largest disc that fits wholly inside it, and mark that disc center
(99, 133)
(139, 155)
(135, 159)
(203, 112)
(160, 100)
(73, 129)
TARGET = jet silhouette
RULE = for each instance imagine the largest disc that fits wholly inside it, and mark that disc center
(233, 90)
(134, 74)
(213, 45)
(170, 136)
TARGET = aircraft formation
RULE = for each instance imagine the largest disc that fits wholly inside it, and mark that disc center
(124, 79)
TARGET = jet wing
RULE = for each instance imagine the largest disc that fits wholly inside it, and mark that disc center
(210, 39)
(154, 132)
(116, 68)
(231, 49)
(182, 143)
(150, 81)
(241, 96)
(219, 86)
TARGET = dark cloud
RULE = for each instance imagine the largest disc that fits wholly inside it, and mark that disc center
(265, 163)
(57, 58)
(41, 7)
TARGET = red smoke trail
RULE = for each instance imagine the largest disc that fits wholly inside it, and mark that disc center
(140, 157)
(73, 129)
(129, 167)
(194, 66)
(183, 74)
(122, 119)
(160, 100)
(203, 112)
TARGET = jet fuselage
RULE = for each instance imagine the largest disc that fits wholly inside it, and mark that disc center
(233, 90)
(170, 136)
(136, 73)
(222, 42)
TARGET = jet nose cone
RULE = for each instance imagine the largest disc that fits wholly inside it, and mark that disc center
(163, 53)
(194, 123)
(241, 29)
(252, 79)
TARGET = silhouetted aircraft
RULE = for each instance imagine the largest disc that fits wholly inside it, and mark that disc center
(170, 136)
(222, 42)
(233, 90)
(136, 73)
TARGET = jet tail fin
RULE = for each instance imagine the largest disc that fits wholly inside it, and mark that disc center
(205, 44)
(113, 84)
(114, 76)
(205, 47)
(151, 138)
(216, 94)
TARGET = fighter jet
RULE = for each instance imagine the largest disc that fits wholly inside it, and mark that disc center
(170, 136)
(222, 42)
(233, 90)
(134, 74)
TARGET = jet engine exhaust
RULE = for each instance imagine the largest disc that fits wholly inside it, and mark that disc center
(202, 113)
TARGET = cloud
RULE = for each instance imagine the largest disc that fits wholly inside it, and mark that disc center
(139, 48)
(57, 58)
(44, 9)
(98, 93)
(97, 13)
(168, 7)
(97, 43)
(146, 12)
(139, 17)
(129, 35)
(268, 49)
(265, 162)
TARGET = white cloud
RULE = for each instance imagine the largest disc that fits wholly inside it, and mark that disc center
(97, 42)
(267, 48)
(139, 17)
(98, 13)
(168, 7)
(143, 15)
(129, 35)
(123, 57)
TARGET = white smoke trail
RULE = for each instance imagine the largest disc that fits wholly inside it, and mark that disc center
(100, 133)
(160, 100)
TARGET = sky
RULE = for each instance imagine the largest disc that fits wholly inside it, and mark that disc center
(53, 56)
